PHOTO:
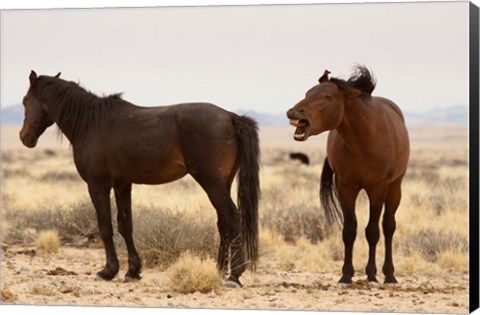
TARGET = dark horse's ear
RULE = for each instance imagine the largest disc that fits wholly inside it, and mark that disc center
(58, 75)
(32, 77)
(324, 77)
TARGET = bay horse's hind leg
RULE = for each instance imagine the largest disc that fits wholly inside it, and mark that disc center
(123, 198)
(100, 195)
(389, 225)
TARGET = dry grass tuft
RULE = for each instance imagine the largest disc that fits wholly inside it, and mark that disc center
(41, 289)
(8, 295)
(48, 242)
(192, 274)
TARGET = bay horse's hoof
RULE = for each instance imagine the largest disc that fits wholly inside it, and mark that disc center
(372, 280)
(345, 280)
(390, 280)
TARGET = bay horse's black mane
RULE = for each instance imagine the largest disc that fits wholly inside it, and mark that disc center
(361, 80)
(76, 109)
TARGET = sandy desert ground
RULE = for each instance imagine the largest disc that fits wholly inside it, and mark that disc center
(281, 282)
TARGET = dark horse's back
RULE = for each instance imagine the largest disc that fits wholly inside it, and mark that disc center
(164, 143)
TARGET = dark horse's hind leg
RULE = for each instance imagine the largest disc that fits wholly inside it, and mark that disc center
(229, 225)
(123, 193)
(100, 195)
(347, 196)
(389, 226)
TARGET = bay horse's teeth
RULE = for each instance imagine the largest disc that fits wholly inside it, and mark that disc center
(294, 122)
(299, 136)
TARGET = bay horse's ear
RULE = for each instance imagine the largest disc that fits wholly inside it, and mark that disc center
(32, 77)
(353, 92)
(324, 77)
(58, 75)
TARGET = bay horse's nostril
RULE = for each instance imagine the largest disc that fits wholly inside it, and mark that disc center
(294, 113)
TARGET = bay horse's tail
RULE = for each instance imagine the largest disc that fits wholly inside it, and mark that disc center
(248, 184)
(328, 195)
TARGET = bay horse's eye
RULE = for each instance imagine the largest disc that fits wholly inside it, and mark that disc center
(328, 97)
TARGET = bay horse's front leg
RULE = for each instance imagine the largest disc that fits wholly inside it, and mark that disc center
(347, 197)
(100, 195)
(123, 198)
(376, 197)
(389, 225)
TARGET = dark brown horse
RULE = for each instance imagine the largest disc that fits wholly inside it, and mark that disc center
(368, 148)
(116, 144)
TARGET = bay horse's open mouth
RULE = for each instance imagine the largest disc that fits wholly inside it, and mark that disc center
(303, 128)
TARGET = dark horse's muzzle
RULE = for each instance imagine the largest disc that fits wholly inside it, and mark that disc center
(28, 136)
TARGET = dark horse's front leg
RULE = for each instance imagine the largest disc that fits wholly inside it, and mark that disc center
(123, 198)
(100, 195)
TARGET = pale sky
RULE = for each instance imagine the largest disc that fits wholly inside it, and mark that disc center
(260, 58)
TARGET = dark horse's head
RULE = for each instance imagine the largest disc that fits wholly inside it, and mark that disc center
(37, 117)
(323, 106)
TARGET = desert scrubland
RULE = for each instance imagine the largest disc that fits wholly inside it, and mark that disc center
(300, 257)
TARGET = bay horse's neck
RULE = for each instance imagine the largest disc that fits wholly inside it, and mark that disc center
(356, 127)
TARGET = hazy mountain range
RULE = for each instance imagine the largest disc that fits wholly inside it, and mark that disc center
(454, 115)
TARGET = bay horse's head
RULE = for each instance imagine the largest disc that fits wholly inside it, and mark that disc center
(37, 117)
(323, 107)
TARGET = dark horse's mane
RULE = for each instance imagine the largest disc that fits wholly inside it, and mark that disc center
(76, 109)
(361, 80)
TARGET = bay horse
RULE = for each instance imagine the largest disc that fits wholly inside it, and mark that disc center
(367, 148)
(116, 144)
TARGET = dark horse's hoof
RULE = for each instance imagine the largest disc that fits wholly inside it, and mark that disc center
(231, 284)
(104, 275)
(132, 277)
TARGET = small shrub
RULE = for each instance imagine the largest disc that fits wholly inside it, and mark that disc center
(294, 221)
(431, 243)
(453, 260)
(162, 235)
(191, 274)
(70, 221)
(48, 242)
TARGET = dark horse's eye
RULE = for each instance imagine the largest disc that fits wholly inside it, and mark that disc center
(328, 97)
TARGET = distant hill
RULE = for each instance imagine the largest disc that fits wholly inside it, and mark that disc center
(12, 115)
(450, 116)
(455, 115)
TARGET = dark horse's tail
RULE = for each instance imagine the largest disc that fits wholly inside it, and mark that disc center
(328, 194)
(248, 184)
